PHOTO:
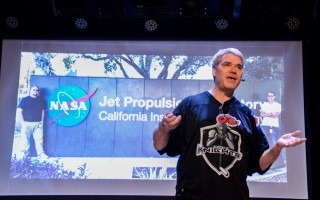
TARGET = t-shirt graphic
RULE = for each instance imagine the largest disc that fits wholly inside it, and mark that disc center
(220, 144)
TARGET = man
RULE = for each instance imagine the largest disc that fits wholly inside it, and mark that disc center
(217, 138)
(30, 114)
(270, 112)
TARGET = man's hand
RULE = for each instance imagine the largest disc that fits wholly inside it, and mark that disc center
(161, 134)
(170, 121)
(290, 139)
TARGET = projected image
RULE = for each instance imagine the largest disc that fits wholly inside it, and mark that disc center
(100, 111)
(79, 116)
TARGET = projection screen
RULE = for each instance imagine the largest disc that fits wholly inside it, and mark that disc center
(101, 143)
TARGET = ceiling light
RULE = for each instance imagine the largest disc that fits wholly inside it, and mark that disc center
(293, 23)
(151, 25)
(12, 22)
(81, 23)
(221, 24)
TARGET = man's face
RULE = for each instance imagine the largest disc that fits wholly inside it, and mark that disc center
(271, 97)
(228, 73)
(34, 92)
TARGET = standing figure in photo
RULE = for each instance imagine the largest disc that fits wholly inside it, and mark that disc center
(30, 113)
(217, 138)
(270, 112)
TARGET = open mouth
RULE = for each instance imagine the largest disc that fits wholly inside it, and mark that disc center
(231, 78)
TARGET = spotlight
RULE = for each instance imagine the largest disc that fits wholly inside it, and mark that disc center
(221, 24)
(81, 23)
(151, 25)
(293, 23)
(12, 22)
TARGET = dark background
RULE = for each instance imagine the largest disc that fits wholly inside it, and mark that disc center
(178, 20)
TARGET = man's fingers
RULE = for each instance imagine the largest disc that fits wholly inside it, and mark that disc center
(296, 133)
(173, 121)
(169, 115)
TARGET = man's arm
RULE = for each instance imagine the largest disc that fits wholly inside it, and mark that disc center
(160, 137)
(162, 133)
(42, 115)
(19, 115)
(286, 140)
(270, 114)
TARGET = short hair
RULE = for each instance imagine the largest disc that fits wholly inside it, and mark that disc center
(217, 57)
(272, 92)
(35, 86)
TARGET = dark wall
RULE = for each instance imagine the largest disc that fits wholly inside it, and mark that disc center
(312, 109)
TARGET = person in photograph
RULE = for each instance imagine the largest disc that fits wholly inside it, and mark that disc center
(270, 112)
(30, 114)
(217, 138)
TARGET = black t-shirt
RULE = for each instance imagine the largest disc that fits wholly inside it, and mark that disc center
(219, 146)
(32, 108)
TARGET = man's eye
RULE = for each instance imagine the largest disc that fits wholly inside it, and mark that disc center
(226, 64)
(240, 66)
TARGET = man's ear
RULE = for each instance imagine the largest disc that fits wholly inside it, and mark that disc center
(214, 71)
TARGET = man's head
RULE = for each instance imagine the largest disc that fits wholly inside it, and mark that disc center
(227, 65)
(218, 56)
(34, 91)
(271, 96)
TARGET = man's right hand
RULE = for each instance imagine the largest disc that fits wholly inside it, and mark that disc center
(170, 121)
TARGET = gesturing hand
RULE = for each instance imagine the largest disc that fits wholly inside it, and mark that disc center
(290, 139)
(170, 121)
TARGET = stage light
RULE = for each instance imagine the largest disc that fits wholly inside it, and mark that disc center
(151, 25)
(12, 22)
(81, 23)
(293, 23)
(221, 24)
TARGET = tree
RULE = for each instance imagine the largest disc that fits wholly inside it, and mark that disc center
(148, 65)
(264, 68)
(43, 61)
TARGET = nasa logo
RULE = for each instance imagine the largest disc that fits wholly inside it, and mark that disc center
(68, 105)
